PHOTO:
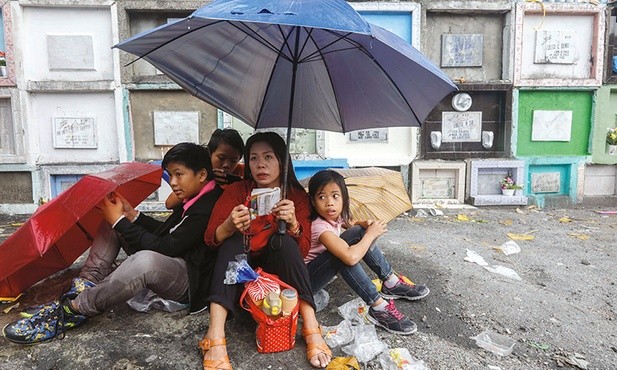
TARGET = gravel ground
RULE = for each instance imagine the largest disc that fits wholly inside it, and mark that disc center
(562, 313)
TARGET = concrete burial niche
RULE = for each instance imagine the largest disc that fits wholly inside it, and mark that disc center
(554, 182)
(605, 118)
(548, 50)
(438, 182)
(483, 176)
(553, 122)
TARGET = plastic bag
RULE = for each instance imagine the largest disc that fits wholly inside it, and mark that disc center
(147, 299)
(498, 344)
(239, 271)
(354, 311)
(509, 247)
(366, 344)
(504, 271)
(400, 358)
(321, 299)
(339, 334)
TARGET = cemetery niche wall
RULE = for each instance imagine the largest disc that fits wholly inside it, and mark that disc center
(472, 123)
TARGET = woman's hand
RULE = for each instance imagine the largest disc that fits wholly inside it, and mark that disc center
(240, 218)
(286, 211)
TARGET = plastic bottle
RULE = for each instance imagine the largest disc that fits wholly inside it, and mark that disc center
(272, 304)
(289, 299)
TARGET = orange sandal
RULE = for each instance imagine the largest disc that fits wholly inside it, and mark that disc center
(313, 349)
(222, 364)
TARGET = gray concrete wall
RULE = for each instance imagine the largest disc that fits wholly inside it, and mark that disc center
(144, 102)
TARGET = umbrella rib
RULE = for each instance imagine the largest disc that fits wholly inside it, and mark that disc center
(320, 52)
(257, 37)
(279, 55)
(172, 40)
(83, 229)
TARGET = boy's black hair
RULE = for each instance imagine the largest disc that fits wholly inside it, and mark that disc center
(227, 136)
(190, 155)
(280, 151)
(317, 183)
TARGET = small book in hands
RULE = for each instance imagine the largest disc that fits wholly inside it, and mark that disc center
(263, 200)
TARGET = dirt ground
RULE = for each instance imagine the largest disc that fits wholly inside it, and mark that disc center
(561, 313)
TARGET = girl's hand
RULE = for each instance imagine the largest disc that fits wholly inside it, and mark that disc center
(240, 218)
(127, 209)
(376, 227)
(286, 211)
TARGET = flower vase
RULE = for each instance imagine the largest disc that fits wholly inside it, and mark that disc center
(611, 149)
(508, 192)
(2, 71)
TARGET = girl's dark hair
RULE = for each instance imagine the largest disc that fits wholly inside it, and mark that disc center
(317, 183)
(190, 155)
(280, 151)
(227, 136)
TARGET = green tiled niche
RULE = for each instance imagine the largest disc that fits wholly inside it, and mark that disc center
(606, 117)
(579, 102)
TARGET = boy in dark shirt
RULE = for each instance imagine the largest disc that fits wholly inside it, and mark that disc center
(170, 257)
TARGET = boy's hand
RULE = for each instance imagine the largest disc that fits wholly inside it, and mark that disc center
(127, 209)
(111, 208)
(219, 176)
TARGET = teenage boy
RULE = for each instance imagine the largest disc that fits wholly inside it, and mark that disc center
(170, 257)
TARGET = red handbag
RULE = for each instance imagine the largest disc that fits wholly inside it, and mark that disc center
(273, 334)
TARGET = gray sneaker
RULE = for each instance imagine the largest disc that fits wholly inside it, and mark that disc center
(403, 289)
(392, 320)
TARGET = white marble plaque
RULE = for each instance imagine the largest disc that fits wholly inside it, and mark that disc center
(171, 128)
(70, 52)
(379, 135)
(551, 125)
(461, 127)
(461, 50)
(554, 47)
(545, 182)
(437, 188)
(74, 132)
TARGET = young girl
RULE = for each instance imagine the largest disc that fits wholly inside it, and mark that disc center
(333, 252)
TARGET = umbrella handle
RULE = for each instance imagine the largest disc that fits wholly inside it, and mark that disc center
(282, 227)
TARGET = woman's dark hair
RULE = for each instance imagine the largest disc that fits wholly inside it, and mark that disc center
(280, 151)
(227, 136)
(317, 183)
(190, 155)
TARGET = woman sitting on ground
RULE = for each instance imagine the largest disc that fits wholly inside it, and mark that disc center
(277, 254)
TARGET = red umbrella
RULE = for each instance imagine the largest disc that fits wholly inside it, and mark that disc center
(62, 229)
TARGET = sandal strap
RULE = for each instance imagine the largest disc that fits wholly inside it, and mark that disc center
(307, 332)
(223, 364)
(207, 343)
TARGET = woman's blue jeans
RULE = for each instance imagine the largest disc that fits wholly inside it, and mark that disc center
(325, 266)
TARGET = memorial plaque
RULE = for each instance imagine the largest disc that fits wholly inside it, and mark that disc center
(461, 50)
(74, 133)
(545, 182)
(70, 52)
(379, 135)
(15, 187)
(554, 47)
(171, 128)
(437, 188)
(461, 127)
(551, 125)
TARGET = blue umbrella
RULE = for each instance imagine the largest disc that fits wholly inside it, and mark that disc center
(314, 64)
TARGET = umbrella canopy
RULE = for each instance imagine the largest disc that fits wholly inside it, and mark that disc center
(313, 64)
(375, 193)
(62, 229)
